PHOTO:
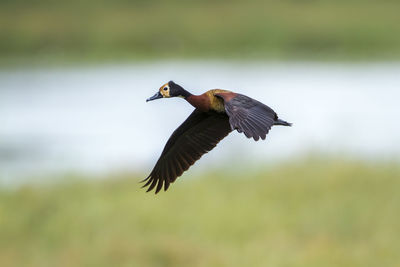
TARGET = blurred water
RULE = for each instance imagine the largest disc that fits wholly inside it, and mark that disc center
(95, 119)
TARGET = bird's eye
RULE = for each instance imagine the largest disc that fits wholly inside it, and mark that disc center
(165, 88)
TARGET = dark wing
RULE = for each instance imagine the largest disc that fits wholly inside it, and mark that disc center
(197, 135)
(248, 115)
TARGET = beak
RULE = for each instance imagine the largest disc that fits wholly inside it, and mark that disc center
(154, 97)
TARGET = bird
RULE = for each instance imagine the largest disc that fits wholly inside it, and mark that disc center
(217, 113)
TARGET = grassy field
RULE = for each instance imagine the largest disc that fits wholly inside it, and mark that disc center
(107, 30)
(326, 213)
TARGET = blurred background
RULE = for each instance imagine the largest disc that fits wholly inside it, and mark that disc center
(76, 135)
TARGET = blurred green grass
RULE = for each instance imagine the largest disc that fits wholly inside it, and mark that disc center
(312, 213)
(84, 30)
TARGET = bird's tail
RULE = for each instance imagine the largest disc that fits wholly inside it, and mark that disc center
(282, 122)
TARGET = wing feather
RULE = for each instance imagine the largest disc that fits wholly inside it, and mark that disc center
(249, 116)
(197, 135)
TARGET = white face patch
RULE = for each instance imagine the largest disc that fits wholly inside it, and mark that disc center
(164, 90)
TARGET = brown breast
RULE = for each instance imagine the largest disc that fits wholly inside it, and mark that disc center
(211, 100)
(201, 102)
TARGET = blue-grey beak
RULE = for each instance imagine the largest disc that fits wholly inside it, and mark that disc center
(154, 97)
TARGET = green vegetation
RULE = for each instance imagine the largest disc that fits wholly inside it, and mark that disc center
(58, 30)
(332, 213)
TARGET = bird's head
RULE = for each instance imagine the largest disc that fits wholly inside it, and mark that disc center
(167, 90)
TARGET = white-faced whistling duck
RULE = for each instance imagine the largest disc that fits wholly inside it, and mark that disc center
(218, 112)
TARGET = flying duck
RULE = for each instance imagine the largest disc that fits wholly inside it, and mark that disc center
(217, 113)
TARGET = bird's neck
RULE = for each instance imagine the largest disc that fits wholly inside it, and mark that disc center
(200, 102)
(185, 94)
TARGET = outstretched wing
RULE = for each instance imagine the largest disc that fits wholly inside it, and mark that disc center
(197, 135)
(248, 115)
